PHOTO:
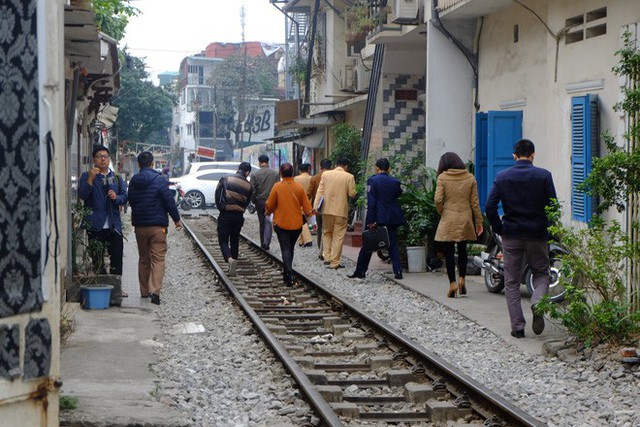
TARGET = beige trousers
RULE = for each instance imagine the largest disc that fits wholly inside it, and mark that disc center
(152, 249)
(305, 236)
(334, 229)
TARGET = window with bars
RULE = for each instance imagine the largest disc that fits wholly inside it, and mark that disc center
(586, 26)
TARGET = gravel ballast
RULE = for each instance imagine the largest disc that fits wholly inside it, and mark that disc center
(226, 376)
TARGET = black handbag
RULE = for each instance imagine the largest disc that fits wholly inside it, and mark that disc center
(375, 239)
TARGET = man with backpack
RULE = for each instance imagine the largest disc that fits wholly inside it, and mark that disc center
(232, 197)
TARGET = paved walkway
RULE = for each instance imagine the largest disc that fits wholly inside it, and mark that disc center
(105, 362)
(487, 309)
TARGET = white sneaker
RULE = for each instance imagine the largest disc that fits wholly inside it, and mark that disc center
(233, 263)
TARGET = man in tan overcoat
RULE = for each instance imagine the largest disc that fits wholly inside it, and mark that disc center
(332, 199)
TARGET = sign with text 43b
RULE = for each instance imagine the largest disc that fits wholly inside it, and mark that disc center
(259, 125)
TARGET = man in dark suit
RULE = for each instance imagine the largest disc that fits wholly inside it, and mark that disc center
(383, 209)
(525, 191)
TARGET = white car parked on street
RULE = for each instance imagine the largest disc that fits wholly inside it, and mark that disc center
(200, 166)
(199, 188)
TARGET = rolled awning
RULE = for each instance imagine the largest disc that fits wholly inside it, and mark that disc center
(323, 120)
(315, 139)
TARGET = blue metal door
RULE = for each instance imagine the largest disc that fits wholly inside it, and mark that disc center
(496, 133)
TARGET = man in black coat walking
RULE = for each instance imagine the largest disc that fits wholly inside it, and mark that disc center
(151, 203)
(232, 197)
(525, 191)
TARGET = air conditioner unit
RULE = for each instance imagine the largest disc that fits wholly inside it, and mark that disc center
(362, 78)
(405, 11)
(347, 82)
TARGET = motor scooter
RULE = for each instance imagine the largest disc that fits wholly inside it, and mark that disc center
(492, 264)
(178, 196)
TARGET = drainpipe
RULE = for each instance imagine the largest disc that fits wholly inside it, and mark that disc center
(471, 57)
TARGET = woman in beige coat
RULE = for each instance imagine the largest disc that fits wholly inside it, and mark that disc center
(456, 200)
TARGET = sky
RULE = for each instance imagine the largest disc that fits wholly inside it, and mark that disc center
(168, 30)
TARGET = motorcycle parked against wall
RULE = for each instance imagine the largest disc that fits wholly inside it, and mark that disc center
(492, 264)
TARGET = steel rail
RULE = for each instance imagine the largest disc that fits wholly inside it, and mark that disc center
(324, 411)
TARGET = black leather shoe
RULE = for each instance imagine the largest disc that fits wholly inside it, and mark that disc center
(398, 276)
(518, 334)
(538, 321)
(155, 299)
(265, 247)
(356, 275)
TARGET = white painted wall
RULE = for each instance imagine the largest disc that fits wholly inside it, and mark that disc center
(328, 82)
(449, 100)
(404, 60)
(525, 70)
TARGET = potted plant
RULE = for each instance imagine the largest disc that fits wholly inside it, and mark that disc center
(298, 69)
(417, 201)
(359, 21)
(88, 285)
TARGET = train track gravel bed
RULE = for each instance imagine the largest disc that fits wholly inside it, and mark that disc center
(226, 377)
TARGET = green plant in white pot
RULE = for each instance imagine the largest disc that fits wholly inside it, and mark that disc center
(417, 201)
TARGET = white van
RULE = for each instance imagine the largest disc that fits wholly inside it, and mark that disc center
(201, 166)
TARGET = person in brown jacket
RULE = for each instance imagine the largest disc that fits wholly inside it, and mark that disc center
(314, 183)
(457, 202)
(286, 200)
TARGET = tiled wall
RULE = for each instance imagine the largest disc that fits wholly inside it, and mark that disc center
(403, 121)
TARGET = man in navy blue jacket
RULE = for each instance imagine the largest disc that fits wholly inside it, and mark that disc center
(151, 201)
(103, 193)
(383, 209)
(525, 191)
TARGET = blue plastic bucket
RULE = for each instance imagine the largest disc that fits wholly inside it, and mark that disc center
(96, 297)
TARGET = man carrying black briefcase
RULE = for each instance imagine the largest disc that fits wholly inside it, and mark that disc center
(383, 210)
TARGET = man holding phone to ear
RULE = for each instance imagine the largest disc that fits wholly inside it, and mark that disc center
(104, 192)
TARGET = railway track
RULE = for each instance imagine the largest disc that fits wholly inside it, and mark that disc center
(349, 365)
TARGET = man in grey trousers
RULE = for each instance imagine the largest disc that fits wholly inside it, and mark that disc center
(525, 191)
(262, 181)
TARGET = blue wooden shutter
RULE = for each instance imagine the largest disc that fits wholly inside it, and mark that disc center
(585, 144)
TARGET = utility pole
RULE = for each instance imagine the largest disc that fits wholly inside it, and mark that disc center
(243, 89)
